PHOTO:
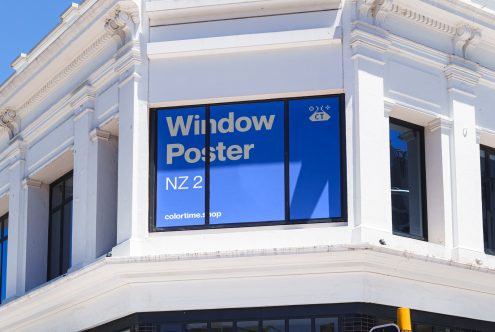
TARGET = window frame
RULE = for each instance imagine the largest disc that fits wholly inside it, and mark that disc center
(4, 218)
(485, 180)
(51, 212)
(424, 198)
(153, 170)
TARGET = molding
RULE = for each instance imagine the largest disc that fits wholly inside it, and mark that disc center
(243, 43)
(66, 72)
(363, 265)
(440, 123)
(99, 135)
(31, 183)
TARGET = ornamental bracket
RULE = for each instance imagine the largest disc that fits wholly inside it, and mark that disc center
(123, 22)
(465, 37)
(8, 120)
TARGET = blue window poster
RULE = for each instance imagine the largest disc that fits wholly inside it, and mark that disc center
(273, 162)
(248, 184)
(180, 162)
(314, 167)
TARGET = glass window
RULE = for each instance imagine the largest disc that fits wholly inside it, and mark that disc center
(274, 326)
(247, 326)
(487, 158)
(315, 149)
(265, 161)
(247, 163)
(326, 325)
(407, 179)
(197, 327)
(222, 327)
(60, 227)
(4, 236)
(300, 325)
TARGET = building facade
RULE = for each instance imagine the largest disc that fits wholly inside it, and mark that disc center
(247, 165)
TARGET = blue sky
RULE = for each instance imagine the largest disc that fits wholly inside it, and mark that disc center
(23, 23)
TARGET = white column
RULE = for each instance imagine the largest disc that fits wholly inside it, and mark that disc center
(465, 158)
(133, 166)
(438, 181)
(371, 147)
(35, 219)
(105, 199)
(84, 192)
(16, 259)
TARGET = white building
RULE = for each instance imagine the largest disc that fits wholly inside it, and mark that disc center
(383, 209)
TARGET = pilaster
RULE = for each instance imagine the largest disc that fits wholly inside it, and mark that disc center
(462, 78)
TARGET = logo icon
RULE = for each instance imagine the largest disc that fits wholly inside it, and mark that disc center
(319, 113)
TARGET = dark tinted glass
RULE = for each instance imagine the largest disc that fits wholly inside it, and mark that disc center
(197, 327)
(326, 325)
(60, 236)
(300, 325)
(274, 326)
(406, 167)
(487, 161)
(491, 165)
(482, 162)
(54, 243)
(6, 227)
(423, 328)
(57, 195)
(68, 188)
(222, 327)
(66, 237)
(247, 326)
(4, 269)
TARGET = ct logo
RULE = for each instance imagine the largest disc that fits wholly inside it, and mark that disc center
(319, 113)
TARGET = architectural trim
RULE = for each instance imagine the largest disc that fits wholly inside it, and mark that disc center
(440, 123)
(66, 72)
(31, 183)
(98, 134)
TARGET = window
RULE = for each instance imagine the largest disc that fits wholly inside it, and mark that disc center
(262, 162)
(60, 226)
(407, 172)
(487, 159)
(4, 239)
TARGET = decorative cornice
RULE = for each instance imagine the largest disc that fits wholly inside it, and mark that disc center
(422, 19)
(68, 70)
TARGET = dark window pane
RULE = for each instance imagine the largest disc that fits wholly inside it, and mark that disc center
(482, 162)
(326, 325)
(300, 325)
(423, 328)
(222, 327)
(66, 242)
(56, 195)
(247, 163)
(68, 187)
(171, 327)
(406, 179)
(314, 166)
(197, 327)
(491, 164)
(274, 326)
(6, 227)
(247, 326)
(180, 163)
(4, 269)
(54, 245)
